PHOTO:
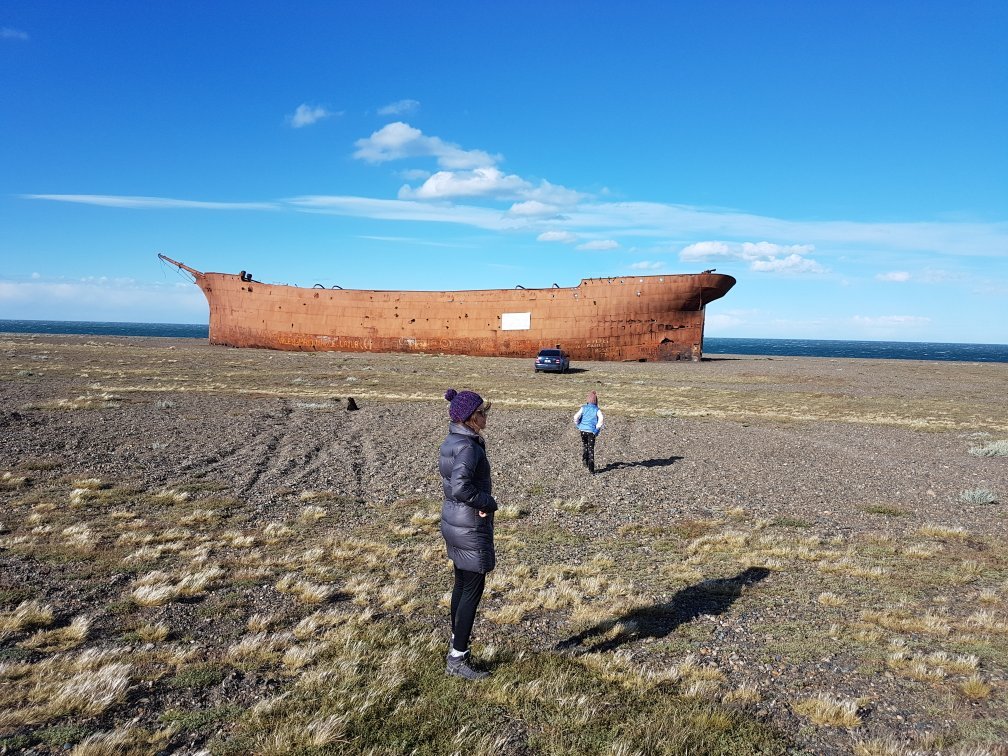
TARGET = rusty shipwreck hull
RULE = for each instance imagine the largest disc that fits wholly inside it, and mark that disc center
(620, 318)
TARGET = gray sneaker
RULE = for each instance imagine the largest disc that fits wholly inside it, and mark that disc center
(459, 666)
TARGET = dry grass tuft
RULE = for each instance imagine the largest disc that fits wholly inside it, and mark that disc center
(60, 638)
(80, 537)
(312, 513)
(82, 402)
(975, 687)
(9, 482)
(573, 506)
(943, 532)
(744, 694)
(27, 615)
(886, 747)
(829, 711)
(513, 511)
(174, 496)
(826, 598)
(152, 632)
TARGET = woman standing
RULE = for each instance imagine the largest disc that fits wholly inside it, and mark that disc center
(466, 520)
(589, 420)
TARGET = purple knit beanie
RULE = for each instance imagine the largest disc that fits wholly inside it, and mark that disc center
(463, 404)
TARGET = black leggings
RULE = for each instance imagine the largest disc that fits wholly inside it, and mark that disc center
(588, 450)
(465, 598)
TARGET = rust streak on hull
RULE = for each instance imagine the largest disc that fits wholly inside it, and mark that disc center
(620, 318)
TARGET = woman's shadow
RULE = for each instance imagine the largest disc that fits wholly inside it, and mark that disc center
(711, 597)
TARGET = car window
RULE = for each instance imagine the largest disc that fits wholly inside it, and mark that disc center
(549, 353)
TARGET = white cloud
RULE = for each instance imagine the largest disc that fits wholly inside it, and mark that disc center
(706, 250)
(150, 203)
(898, 276)
(599, 244)
(480, 182)
(557, 236)
(763, 256)
(306, 115)
(647, 265)
(402, 107)
(789, 264)
(533, 207)
(399, 140)
(8, 33)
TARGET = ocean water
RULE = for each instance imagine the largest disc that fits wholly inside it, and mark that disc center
(888, 350)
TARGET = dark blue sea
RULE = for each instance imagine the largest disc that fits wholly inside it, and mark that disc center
(888, 350)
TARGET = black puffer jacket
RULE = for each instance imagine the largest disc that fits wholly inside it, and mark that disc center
(465, 475)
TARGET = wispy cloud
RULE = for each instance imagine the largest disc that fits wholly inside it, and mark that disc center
(599, 245)
(897, 276)
(557, 236)
(402, 107)
(8, 33)
(150, 203)
(306, 115)
(890, 321)
(404, 210)
(533, 208)
(647, 265)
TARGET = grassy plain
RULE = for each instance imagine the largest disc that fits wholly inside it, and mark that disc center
(202, 549)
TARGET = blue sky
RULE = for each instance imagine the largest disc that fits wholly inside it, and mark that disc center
(846, 162)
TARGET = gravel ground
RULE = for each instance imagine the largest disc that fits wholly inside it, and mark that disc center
(846, 456)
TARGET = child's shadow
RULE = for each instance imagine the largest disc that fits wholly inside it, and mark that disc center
(643, 463)
(709, 597)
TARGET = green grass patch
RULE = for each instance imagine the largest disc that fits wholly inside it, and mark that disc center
(188, 720)
(63, 734)
(204, 675)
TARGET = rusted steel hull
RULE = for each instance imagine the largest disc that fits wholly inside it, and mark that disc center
(629, 318)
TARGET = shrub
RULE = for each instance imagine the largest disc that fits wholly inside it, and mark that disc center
(991, 449)
(978, 496)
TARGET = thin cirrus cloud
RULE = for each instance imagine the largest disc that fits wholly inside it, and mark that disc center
(599, 245)
(7, 32)
(402, 107)
(640, 220)
(150, 203)
(647, 265)
(897, 276)
(555, 213)
(306, 115)
(890, 321)
(565, 237)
